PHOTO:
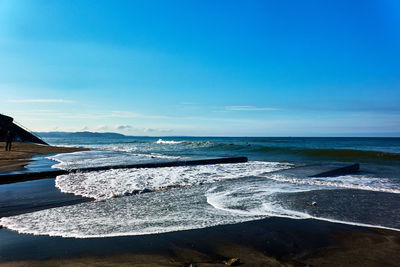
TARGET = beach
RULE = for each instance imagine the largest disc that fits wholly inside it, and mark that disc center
(188, 133)
(21, 154)
(200, 215)
(269, 242)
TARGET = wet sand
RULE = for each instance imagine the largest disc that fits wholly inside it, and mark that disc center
(21, 154)
(267, 242)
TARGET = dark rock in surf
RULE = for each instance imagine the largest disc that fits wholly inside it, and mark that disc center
(313, 203)
(232, 262)
(146, 190)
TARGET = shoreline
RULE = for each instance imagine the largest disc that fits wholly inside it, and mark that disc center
(273, 241)
(21, 154)
(267, 242)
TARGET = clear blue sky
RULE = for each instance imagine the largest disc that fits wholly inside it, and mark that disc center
(232, 68)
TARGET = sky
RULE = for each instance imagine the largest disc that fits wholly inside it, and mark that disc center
(202, 68)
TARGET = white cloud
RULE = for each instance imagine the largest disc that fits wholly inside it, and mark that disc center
(123, 127)
(40, 101)
(249, 108)
(102, 128)
(156, 130)
(149, 130)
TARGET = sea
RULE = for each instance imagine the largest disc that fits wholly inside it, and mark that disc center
(274, 182)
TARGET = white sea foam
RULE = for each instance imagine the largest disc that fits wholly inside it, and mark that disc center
(96, 158)
(119, 182)
(168, 142)
(187, 143)
(172, 210)
(139, 148)
(253, 199)
(360, 182)
(224, 202)
(259, 199)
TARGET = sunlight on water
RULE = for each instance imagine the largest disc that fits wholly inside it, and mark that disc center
(191, 197)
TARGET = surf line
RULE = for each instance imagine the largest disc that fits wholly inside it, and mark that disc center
(22, 177)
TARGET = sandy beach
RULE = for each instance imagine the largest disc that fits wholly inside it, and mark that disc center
(268, 242)
(21, 154)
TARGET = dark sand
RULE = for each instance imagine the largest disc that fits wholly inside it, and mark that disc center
(21, 154)
(268, 242)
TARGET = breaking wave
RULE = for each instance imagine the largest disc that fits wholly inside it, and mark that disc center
(120, 182)
(168, 142)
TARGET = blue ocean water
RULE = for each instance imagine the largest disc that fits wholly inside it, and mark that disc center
(257, 148)
(200, 196)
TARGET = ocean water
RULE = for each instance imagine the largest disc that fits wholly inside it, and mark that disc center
(148, 201)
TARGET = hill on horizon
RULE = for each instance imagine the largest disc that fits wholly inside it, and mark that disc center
(80, 134)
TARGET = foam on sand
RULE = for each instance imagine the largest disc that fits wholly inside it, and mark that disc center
(193, 207)
(172, 210)
(359, 182)
(270, 198)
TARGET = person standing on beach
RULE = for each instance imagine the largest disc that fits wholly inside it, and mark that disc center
(9, 139)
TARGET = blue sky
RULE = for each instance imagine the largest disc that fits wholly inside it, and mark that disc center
(216, 68)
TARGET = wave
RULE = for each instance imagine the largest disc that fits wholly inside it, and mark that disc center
(347, 154)
(168, 142)
(121, 182)
(358, 182)
(184, 142)
(95, 158)
(193, 207)
(351, 153)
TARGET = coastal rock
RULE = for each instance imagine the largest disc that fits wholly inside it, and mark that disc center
(232, 262)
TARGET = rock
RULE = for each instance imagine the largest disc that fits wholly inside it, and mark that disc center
(146, 190)
(112, 195)
(313, 203)
(232, 262)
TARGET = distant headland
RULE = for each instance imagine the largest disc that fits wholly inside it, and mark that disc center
(79, 134)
